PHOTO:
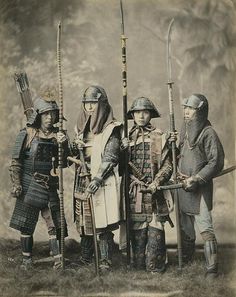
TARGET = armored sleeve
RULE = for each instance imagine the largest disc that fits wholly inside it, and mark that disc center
(15, 168)
(66, 150)
(165, 171)
(214, 156)
(19, 144)
(74, 147)
(15, 171)
(65, 153)
(111, 155)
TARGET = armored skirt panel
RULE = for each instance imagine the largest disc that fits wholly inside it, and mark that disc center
(143, 206)
(39, 188)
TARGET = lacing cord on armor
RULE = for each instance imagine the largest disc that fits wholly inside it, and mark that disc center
(135, 187)
(42, 179)
(143, 148)
(134, 183)
(139, 129)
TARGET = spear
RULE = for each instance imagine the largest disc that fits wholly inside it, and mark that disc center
(173, 144)
(125, 120)
(60, 149)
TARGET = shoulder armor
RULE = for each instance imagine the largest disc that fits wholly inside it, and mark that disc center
(17, 149)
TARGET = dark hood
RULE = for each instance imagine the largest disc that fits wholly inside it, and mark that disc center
(100, 118)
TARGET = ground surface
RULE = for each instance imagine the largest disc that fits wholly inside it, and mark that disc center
(44, 281)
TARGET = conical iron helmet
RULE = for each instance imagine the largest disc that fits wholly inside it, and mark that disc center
(143, 103)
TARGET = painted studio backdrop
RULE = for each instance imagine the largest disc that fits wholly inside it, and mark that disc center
(203, 61)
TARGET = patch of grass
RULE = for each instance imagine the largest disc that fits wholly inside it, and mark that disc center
(44, 280)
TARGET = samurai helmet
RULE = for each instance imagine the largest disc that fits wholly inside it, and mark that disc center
(45, 102)
(94, 94)
(143, 103)
(196, 101)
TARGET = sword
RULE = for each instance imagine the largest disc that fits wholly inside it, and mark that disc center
(90, 198)
(172, 186)
(76, 161)
(226, 170)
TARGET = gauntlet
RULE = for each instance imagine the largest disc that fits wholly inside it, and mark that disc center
(191, 183)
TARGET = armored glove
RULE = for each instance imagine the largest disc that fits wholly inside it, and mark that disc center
(152, 188)
(171, 136)
(103, 172)
(124, 143)
(61, 137)
(181, 177)
(16, 191)
(94, 185)
(79, 143)
(190, 184)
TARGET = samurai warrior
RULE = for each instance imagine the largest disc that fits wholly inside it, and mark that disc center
(150, 166)
(201, 158)
(35, 183)
(97, 146)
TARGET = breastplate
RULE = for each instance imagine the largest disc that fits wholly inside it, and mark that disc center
(38, 158)
(88, 140)
(140, 157)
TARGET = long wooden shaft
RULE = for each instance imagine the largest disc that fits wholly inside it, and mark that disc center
(125, 122)
(173, 146)
(60, 149)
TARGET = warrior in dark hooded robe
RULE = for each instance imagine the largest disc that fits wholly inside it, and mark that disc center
(34, 159)
(97, 145)
(201, 158)
(150, 166)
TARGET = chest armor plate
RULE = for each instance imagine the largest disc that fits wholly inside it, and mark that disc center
(146, 156)
(140, 157)
(39, 156)
(88, 140)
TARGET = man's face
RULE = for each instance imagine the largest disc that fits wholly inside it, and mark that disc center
(48, 119)
(189, 113)
(89, 107)
(142, 117)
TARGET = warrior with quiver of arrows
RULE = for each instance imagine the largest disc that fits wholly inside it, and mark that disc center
(33, 172)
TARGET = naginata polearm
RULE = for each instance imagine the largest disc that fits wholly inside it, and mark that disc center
(60, 149)
(125, 123)
(173, 144)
